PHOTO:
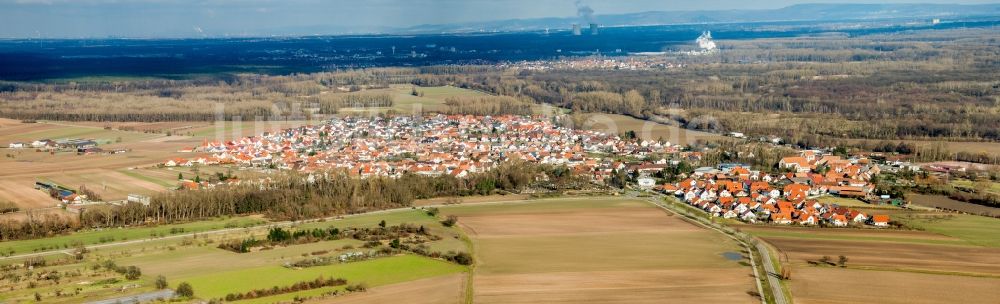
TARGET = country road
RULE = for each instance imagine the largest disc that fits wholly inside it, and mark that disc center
(772, 274)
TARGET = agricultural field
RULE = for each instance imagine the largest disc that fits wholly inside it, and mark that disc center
(435, 290)
(944, 202)
(959, 253)
(850, 202)
(115, 176)
(405, 103)
(215, 273)
(952, 146)
(994, 187)
(224, 130)
(838, 285)
(597, 250)
(101, 236)
(377, 272)
(470, 199)
(617, 124)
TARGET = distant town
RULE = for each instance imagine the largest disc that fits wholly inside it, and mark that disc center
(459, 145)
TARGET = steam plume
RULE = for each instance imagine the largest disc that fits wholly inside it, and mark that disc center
(705, 41)
(584, 11)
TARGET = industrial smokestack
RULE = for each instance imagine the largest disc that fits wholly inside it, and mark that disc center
(576, 29)
(593, 28)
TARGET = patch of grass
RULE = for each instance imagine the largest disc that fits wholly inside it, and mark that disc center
(404, 101)
(290, 297)
(376, 272)
(99, 134)
(849, 202)
(137, 175)
(994, 186)
(545, 205)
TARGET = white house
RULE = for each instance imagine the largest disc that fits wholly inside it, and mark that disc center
(646, 183)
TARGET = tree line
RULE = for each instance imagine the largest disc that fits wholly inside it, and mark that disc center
(489, 105)
(290, 196)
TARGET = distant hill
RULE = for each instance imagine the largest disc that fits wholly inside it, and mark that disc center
(801, 12)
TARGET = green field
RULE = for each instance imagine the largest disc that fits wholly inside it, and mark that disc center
(375, 272)
(167, 177)
(451, 236)
(94, 237)
(240, 128)
(994, 186)
(216, 272)
(872, 237)
(166, 183)
(186, 261)
(404, 101)
(544, 206)
(977, 230)
(851, 202)
(100, 135)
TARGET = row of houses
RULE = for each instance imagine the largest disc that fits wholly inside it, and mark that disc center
(69, 143)
(788, 198)
(428, 145)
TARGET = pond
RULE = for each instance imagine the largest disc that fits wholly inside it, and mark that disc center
(732, 256)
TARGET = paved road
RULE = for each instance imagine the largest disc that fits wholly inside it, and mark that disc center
(772, 274)
(139, 298)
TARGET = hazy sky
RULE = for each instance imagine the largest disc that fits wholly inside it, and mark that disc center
(192, 18)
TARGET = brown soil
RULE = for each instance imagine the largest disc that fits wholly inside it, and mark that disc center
(966, 259)
(940, 201)
(631, 253)
(835, 285)
(654, 286)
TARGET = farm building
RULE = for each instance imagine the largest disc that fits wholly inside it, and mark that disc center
(43, 143)
(76, 143)
(138, 198)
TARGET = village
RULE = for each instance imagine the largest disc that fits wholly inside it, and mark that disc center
(459, 145)
(787, 198)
